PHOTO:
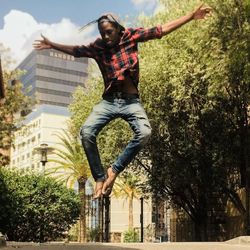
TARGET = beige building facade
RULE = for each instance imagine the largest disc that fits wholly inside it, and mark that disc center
(39, 127)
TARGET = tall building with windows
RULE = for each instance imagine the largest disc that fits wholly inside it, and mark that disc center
(51, 76)
(41, 126)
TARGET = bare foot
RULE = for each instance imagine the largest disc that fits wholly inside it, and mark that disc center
(109, 183)
(98, 190)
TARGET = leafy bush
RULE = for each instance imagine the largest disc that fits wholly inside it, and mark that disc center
(131, 236)
(35, 208)
(94, 234)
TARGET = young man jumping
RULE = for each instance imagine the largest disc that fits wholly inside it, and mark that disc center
(116, 54)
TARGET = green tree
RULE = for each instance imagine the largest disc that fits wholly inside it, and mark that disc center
(15, 101)
(230, 49)
(189, 111)
(126, 187)
(72, 166)
(35, 208)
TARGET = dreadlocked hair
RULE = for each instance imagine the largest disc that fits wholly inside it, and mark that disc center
(105, 18)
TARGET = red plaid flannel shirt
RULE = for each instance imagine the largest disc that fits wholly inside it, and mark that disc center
(121, 59)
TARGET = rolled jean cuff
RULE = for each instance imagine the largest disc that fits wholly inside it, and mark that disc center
(100, 179)
(116, 170)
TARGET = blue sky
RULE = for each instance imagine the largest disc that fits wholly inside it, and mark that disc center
(22, 21)
(79, 11)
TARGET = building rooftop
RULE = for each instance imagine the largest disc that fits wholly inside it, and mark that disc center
(48, 109)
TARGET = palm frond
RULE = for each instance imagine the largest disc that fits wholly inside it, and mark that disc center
(70, 159)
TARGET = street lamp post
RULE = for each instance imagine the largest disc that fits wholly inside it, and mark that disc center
(141, 219)
(2, 91)
(43, 149)
(247, 202)
(106, 204)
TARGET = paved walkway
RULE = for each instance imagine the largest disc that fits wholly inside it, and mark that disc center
(129, 246)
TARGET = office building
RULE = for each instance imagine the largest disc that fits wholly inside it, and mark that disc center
(51, 76)
(40, 127)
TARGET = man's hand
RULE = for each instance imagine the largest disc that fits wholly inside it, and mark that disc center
(45, 43)
(202, 12)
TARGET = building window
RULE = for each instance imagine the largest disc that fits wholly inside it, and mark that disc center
(33, 139)
(54, 103)
(61, 70)
(54, 92)
(59, 81)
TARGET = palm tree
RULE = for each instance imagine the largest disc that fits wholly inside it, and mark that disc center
(72, 166)
(126, 187)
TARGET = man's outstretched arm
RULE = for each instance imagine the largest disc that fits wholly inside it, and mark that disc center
(45, 43)
(199, 13)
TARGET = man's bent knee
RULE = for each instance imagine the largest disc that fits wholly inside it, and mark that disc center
(145, 135)
(87, 134)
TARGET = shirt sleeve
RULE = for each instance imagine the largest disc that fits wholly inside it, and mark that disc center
(143, 34)
(84, 51)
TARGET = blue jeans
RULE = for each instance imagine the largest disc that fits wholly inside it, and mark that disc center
(105, 111)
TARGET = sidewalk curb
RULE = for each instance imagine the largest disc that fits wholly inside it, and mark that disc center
(241, 240)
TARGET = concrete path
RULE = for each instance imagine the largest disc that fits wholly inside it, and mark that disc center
(129, 246)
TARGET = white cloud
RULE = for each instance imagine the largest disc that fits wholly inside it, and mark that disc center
(159, 8)
(21, 29)
(145, 4)
(153, 6)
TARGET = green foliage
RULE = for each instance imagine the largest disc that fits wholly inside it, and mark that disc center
(127, 186)
(71, 166)
(131, 235)
(195, 88)
(230, 36)
(15, 101)
(94, 234)
(70, 158)
(35, 208)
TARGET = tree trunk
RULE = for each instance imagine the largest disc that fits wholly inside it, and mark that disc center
(201, 229)
(82, 218)
(2, 90)
(130, 211)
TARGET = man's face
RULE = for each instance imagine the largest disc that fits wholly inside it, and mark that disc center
(110, 34)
